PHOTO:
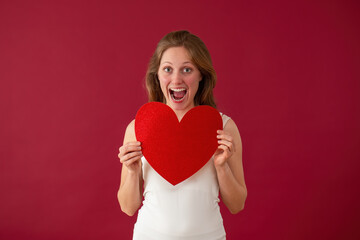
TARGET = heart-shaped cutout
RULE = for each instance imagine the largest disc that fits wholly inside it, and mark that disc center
(177, 150)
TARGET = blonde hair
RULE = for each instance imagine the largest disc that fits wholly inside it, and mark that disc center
(200, 57)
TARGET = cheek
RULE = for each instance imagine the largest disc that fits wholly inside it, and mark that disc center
(194, 82)
(163, 82)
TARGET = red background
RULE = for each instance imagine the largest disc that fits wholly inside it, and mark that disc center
(72, 78)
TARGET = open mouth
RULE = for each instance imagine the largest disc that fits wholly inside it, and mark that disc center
(178, 94)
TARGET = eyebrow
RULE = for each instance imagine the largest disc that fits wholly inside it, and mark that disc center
(172, 64)
(166, 62)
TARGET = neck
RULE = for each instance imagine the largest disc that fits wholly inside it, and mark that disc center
(180, 113)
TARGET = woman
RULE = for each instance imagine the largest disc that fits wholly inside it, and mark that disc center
(180, 74)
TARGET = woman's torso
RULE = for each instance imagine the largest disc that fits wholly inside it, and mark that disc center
(188, 210)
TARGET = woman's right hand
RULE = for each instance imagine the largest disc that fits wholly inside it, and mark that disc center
(130, 155)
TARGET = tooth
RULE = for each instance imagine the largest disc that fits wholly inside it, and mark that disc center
(178, 90)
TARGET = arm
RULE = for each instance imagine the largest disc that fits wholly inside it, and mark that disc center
(229, 168)
(130, 191)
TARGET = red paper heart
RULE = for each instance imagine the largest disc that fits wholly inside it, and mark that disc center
(177, 150)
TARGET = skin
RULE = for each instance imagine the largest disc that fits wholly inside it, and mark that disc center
(177, 71)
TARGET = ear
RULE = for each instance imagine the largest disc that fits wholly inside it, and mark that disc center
(201, 77)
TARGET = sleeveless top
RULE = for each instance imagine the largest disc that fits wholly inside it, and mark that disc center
(188, 210)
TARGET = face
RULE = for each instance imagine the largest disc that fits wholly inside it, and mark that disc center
(179, 78)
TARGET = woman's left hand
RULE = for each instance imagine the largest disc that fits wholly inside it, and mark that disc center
(225, 149)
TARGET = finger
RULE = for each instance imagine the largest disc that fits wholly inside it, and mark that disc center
(135, 143)
(129, 156)
(220, 132)
(225, 136)
(228, 138)
(131, 161)
(226, 151)
(224, 148)
(230, 145)
(129, 148)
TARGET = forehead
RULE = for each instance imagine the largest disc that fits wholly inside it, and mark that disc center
(176, 54)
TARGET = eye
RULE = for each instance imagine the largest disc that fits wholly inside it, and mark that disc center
(167, 69)
(187, 70)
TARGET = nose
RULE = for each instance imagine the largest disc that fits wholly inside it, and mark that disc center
(177, 78)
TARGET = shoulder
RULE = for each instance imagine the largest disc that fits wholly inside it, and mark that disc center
(130, 132)
(131, 125)
(229, 123)
(232, 129)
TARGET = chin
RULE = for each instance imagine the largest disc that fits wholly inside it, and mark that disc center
(181, 106)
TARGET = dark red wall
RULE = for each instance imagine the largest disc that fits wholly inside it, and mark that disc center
(72, 76)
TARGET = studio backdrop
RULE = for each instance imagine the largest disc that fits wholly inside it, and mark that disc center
(72, 78)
